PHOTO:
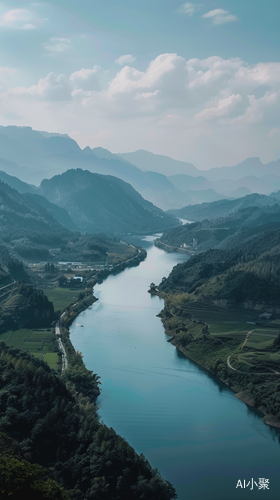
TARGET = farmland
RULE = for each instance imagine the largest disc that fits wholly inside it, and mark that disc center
(62, 297)
(235, 344)
(40, 343)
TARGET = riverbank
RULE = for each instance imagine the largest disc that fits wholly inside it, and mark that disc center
(253, 379)
(187, 423)
(86, 382)
(174, 249)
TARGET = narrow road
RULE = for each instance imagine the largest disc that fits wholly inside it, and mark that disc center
(7, 285)
(62, 348)
(249, 373)
(229, 365)
(247, 336)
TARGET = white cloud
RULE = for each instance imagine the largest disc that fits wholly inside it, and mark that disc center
(125, 59)
(212, 89)
(84, 74)
(199, 107)
(51, 88)
(189, 8)
(258, 74)
(206, 71)
(146, 95)
(220, 16)
(86, 79)
(129, 79)
(254, 112)
(57, 45)
(223, 108)
(19, 19)
(29, 27)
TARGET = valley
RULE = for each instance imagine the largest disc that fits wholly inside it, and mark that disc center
(78, 253)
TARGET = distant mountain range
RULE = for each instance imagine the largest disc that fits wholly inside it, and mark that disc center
(224, 208)
(251, 174)
(33, 156)
(161, 164)
(168, 166)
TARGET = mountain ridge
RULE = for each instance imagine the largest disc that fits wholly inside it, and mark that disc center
(104, 203)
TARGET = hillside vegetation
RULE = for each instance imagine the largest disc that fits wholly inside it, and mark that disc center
(30, 232)
(224, 207)
(57, 428)
(222, 306)
(237, 345)
(25, 307)
(104, 203)
(247, 272)
(224, 232)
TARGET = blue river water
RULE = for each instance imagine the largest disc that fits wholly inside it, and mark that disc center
(188, 424)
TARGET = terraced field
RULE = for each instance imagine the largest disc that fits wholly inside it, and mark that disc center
(255, 350)
(222, 321)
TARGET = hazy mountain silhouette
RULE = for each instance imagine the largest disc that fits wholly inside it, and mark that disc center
(21, 212)
(159, 163)
(58, 213)
(14, 182)
(99, 203)
(32, 156)
(225, 208)
(250, 166)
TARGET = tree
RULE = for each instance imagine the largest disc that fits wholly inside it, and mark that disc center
(62, 280)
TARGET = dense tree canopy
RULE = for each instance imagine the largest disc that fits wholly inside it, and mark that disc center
(56, 427)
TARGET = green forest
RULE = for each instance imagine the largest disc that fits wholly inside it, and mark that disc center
(222, 306)
(248, 272)
(55, 427)
(52, 444)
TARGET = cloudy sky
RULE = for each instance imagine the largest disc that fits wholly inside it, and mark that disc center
(198, 81)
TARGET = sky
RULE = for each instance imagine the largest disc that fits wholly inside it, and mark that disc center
(197, 81)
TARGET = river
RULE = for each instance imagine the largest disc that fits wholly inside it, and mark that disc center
(188, 424)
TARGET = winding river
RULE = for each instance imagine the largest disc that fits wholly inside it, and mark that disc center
(189, 425)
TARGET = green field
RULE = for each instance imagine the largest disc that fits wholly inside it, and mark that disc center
(254, 349)
(40, 343)
(222, 321)
(51, 358)
(62, 297)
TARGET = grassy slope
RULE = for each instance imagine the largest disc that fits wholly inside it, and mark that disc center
(40, 343)
(61, 297)
(253, 349)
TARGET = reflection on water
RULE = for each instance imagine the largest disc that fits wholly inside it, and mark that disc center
(187, 423)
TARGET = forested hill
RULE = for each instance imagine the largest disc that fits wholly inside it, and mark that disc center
(58, 428)
(248, 273)
(20, 213)
(25, 307)
(30, 232)
(58, 213)
(222, 232)
(14, 182)
(104, 203)
(224, 207)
